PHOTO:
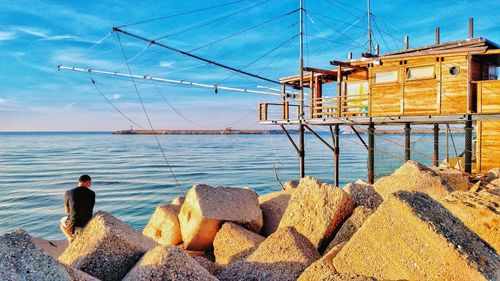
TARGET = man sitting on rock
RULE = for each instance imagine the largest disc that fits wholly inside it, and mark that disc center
(79, 204)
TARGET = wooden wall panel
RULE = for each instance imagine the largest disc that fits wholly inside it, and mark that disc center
(488, 146)
(386, 100)
(420, 97)
(488, 96)
(454, 88)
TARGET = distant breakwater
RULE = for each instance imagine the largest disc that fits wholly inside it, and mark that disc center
(198, 132)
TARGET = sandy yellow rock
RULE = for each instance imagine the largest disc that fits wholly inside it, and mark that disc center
(413, 176)
(206, 208)
(107, 248)
(178, 200)
(317, 210)
(350, 226)
(273, 207)
(364, 194)
(53, 248)
(479, 211)
(291, 184)
(454, 178)
(323, 268)
(234, 243)
(210, 266)
(413, 237)
(168, 263)
(282, 256)
(163, 226)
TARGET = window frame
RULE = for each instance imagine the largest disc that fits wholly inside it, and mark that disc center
(386, 71)
(408, 68)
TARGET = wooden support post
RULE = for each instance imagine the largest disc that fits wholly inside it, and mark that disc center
(283, 102)
(337, 160)
(436, 145)
(447, 145)
(377, 49)
(407, 42)
(312, 96)
(339, 90)
(468, 145)
(471, 28)
(407, 141)
(438, 39)
(301, 151)
(371, 153)
(265, 112)
(349, 56)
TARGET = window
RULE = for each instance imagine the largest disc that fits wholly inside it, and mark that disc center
(454, 70)
(385, 77)
(421, 72)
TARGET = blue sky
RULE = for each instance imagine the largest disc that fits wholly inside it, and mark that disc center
(36, 36)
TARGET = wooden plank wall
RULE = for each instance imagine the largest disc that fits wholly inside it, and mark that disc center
(488, 146)
(442, 95)
(488, 96)
(420, 95)
(454, 88)
(385, 97)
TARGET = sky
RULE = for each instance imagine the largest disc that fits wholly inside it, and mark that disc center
(257, 36)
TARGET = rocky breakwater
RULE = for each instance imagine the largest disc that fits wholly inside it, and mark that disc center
(416, 224)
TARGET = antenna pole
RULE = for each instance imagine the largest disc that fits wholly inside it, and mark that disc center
(370, 43)
(301, 94)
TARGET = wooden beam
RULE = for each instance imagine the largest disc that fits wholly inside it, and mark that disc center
(346, 64)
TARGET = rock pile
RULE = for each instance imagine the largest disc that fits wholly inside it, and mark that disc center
(416, 224)
(107, 248)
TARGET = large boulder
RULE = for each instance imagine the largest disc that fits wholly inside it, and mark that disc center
(479, 211)
(323, 268)
(107, 248)
(20, 259)
(178, 200)
(291, 184)
(168, 263)
(454, 178)
(206, 208)
(364, 194)
(273, 207)
(413, 237)
(317, 210)
(282, 256)
(234, 243)
(53, 248)
(163, 226)
(413, 176)
(210, 266)
(350, 226)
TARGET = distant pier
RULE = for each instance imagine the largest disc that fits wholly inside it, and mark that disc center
(198, 132)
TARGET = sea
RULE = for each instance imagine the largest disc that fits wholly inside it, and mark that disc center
(131, 177)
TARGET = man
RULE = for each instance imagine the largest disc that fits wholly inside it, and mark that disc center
(79, 205)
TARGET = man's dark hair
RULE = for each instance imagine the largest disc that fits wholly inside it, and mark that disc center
(84, 178)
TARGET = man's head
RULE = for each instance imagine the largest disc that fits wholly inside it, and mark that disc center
(85, 181)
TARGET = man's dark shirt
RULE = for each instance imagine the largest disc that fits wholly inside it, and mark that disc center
(81, 202)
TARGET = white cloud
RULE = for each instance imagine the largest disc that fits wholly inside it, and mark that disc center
(166, 64)
(7, 35)
(3, 101)
(114, 96)
(47, 36)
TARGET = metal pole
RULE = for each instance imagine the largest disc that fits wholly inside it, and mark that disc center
(301, 95)
(171, 81)
(371, 152)
(370, 43)
(468, 146)
(407, 141)
(436, 145)
(337, 131)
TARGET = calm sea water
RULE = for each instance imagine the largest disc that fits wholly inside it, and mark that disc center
(130, 176)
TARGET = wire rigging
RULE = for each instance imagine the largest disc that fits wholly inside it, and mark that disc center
(183, 13)
(210, 21)
(110, 103)
(147, 116)
(244, 30)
